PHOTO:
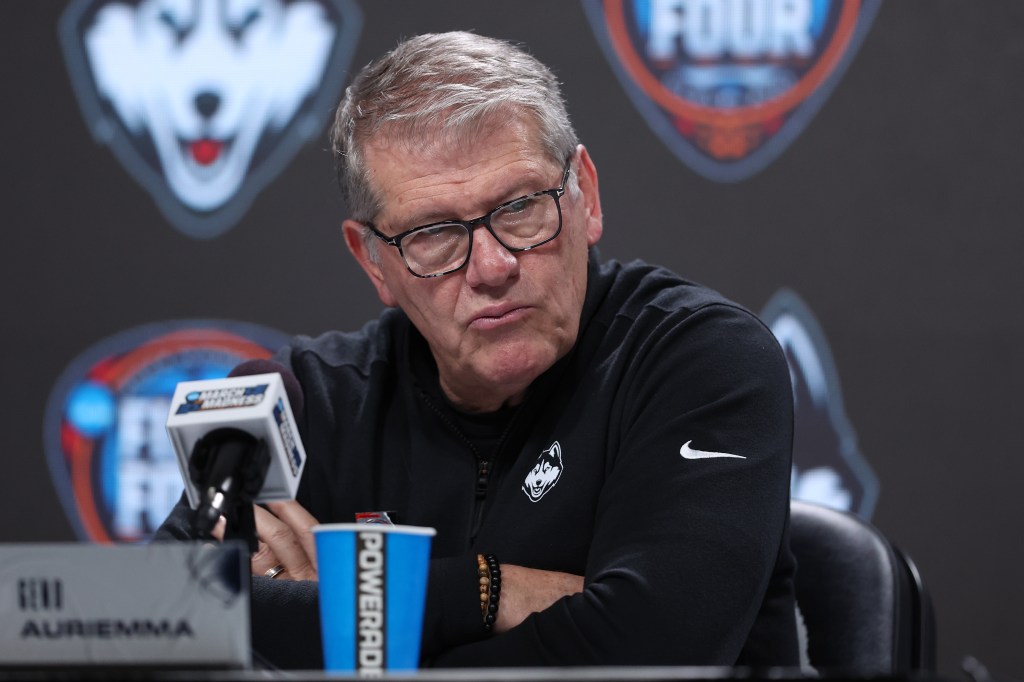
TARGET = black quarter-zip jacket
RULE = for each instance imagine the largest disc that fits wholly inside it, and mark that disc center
(614, 467)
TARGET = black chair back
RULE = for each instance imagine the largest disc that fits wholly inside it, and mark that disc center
(865, 606)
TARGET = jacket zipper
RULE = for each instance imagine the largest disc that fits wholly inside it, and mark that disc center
(483, 469)
(483, 474)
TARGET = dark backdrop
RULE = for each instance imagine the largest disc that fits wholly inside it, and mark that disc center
(895, 215)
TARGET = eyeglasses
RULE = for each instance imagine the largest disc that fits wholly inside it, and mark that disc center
(518, 225)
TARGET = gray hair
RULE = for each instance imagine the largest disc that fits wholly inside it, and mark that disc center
(442, 88)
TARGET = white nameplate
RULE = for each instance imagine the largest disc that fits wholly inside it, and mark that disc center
(178, 605)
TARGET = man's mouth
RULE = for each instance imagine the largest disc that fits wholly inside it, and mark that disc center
(492, 318)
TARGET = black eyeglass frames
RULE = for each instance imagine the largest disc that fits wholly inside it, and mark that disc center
(518, 225)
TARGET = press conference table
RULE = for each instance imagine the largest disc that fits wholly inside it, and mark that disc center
(626, 674)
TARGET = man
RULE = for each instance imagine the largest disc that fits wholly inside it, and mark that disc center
(618, 438)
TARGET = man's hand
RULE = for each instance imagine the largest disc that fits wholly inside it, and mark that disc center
(527, 590)
(285, 538)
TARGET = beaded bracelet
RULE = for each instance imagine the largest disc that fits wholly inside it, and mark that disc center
(489, 570)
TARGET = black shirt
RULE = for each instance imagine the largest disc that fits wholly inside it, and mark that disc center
(613, 467)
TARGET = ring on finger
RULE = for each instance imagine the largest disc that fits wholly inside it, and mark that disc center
(275, 571)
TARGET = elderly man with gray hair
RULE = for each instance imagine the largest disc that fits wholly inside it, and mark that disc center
(613, 440)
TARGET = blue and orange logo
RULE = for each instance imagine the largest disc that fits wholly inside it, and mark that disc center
(104, 433)
(728, 84)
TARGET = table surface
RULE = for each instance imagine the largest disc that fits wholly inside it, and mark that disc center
(568, 674)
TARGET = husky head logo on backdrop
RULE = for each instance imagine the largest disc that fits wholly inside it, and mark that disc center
(206, 101)
(728, 84)
(828, 468)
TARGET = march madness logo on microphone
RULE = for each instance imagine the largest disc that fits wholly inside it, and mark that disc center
(205, 102)
(728, 84)
(291, 444)
(223, 398)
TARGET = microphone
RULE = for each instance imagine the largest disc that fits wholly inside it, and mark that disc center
(237, 443)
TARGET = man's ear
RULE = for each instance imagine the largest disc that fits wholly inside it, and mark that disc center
(586, 173)
(356, 242)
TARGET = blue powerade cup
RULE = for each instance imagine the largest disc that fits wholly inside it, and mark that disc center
(373, 588)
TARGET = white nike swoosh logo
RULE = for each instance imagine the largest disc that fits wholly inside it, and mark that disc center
(689, 453)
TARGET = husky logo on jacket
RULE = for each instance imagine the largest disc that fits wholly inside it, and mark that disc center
(545, 473)
(728, 84)
(206, 101)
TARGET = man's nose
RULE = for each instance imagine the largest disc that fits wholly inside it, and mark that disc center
(490, 263)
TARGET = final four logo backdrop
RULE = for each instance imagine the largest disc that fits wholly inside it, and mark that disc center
(104, 436)
(205, 102)
(728, 84)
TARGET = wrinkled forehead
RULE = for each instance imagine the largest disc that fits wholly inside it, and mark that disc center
(451, 134)
(441, 144)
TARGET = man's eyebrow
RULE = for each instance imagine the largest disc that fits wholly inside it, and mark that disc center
(527, 184)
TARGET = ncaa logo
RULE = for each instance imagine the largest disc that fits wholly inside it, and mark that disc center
(828, 467)
(104, 428)
(728, 84)
(204, 102)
